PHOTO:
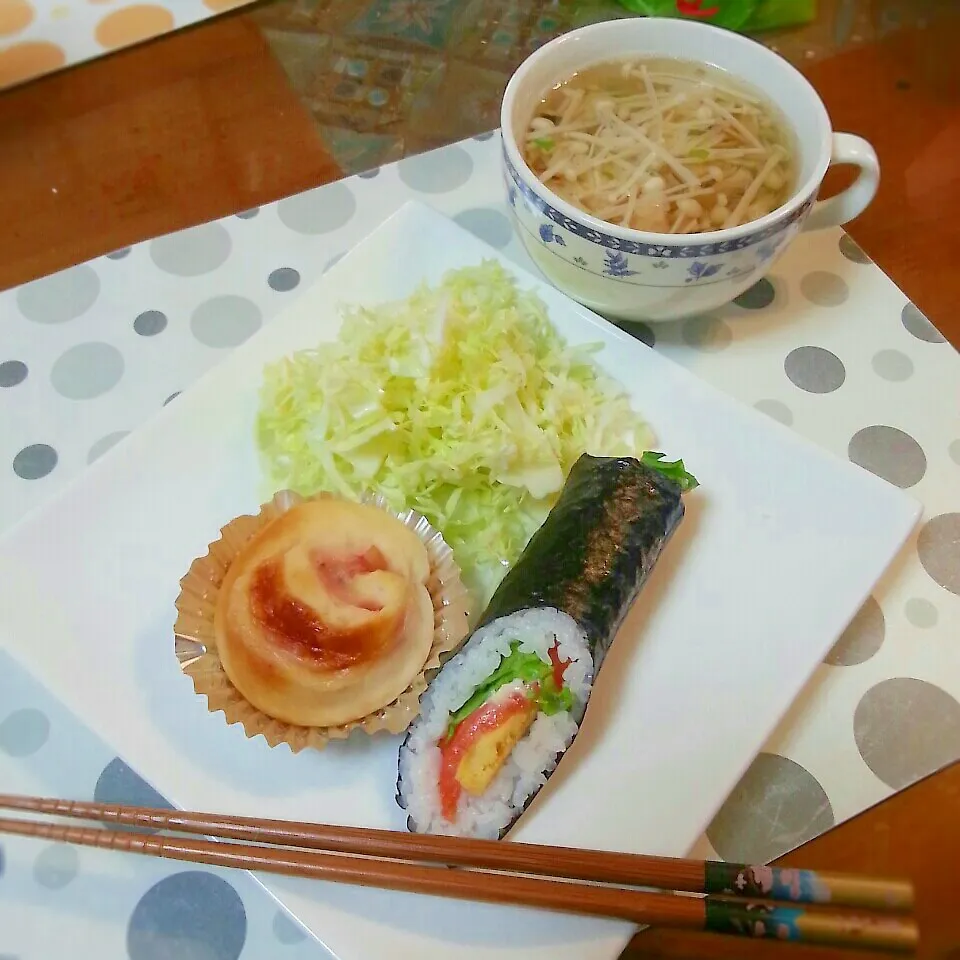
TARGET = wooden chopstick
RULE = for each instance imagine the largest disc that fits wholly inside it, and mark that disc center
(374, 868)
(625, 869)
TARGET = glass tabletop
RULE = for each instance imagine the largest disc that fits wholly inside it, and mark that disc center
(394, 77)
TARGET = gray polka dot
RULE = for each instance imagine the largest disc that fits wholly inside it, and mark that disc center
(760, 295)
(774, 408)
(892, 365)
(117, 783)
(862, 638)
(639, 331)
(56, 865)
(707, 333)
(150, 323)
(12, 372)
(939, 549)
(119, 254)
(60, 297)
(815, 370)
(852, 250)
(488, 225)
(104, 444)
(35, 461)
(285, 930)
(824, 289)
(192, 915)
(248, 214)
(776, 806)
(283, 279)
(225, 321)
(954, 451)
(906, 728)
(919, 326)
(438, 171)
(23, 732)
(189, 253)
(333, 261)
(369, 174)
(321, 210)
(889, 453)
(173, 396)
(921, 613)
(87, 370)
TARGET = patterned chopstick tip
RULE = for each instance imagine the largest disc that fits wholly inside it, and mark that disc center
(797, 924)
(774, 883)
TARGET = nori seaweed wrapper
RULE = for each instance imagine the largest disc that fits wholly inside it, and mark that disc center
(595, 550)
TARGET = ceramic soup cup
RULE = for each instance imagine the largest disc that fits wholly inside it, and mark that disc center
(634, 275)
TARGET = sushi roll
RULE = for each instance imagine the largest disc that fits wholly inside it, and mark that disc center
(498, 717)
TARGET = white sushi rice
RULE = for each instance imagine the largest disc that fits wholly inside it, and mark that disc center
(532, 759)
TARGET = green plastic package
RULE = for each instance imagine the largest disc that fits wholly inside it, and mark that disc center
(744, 15)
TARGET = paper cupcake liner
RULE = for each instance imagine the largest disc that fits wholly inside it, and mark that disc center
(196, 645)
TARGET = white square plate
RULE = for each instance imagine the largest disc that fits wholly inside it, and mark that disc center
(780, 546)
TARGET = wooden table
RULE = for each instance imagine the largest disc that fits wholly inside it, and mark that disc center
(203, 123)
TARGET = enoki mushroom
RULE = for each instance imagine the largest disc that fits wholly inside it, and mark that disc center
(663, 146)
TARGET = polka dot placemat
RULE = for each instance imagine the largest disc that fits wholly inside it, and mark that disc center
(40, 36)
(109, 907)
(826, 345)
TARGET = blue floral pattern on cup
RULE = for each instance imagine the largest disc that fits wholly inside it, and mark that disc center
(702, 271)
(548, 234)
(617, 265)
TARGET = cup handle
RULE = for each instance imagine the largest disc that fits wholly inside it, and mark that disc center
(842, 208)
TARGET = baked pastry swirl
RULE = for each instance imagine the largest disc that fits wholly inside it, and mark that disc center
(325, 615)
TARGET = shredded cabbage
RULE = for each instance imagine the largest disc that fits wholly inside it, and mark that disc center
(461, 402)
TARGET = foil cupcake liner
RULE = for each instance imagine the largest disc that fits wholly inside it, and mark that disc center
(195, 639)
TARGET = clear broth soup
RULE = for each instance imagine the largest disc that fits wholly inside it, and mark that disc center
(662, 145)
